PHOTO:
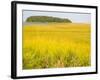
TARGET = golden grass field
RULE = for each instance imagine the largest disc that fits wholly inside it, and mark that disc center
(56, 45)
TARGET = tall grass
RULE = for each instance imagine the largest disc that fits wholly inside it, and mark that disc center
(56, 45)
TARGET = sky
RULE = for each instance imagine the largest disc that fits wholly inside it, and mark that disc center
(74, 17)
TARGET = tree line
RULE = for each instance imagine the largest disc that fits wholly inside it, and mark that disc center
(46, 19)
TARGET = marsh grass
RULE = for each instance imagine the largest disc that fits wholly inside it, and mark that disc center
(56, 45)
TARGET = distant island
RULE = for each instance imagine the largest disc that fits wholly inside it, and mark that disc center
(47, 19)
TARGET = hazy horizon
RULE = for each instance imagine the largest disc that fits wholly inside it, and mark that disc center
(74, 17)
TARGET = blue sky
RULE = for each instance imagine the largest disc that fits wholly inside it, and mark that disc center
(74, 17)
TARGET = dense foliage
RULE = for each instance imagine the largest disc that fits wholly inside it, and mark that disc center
(46, 19)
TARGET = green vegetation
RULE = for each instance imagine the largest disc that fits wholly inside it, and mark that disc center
(46, 19)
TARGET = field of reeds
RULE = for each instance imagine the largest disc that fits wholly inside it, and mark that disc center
(56, 45)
